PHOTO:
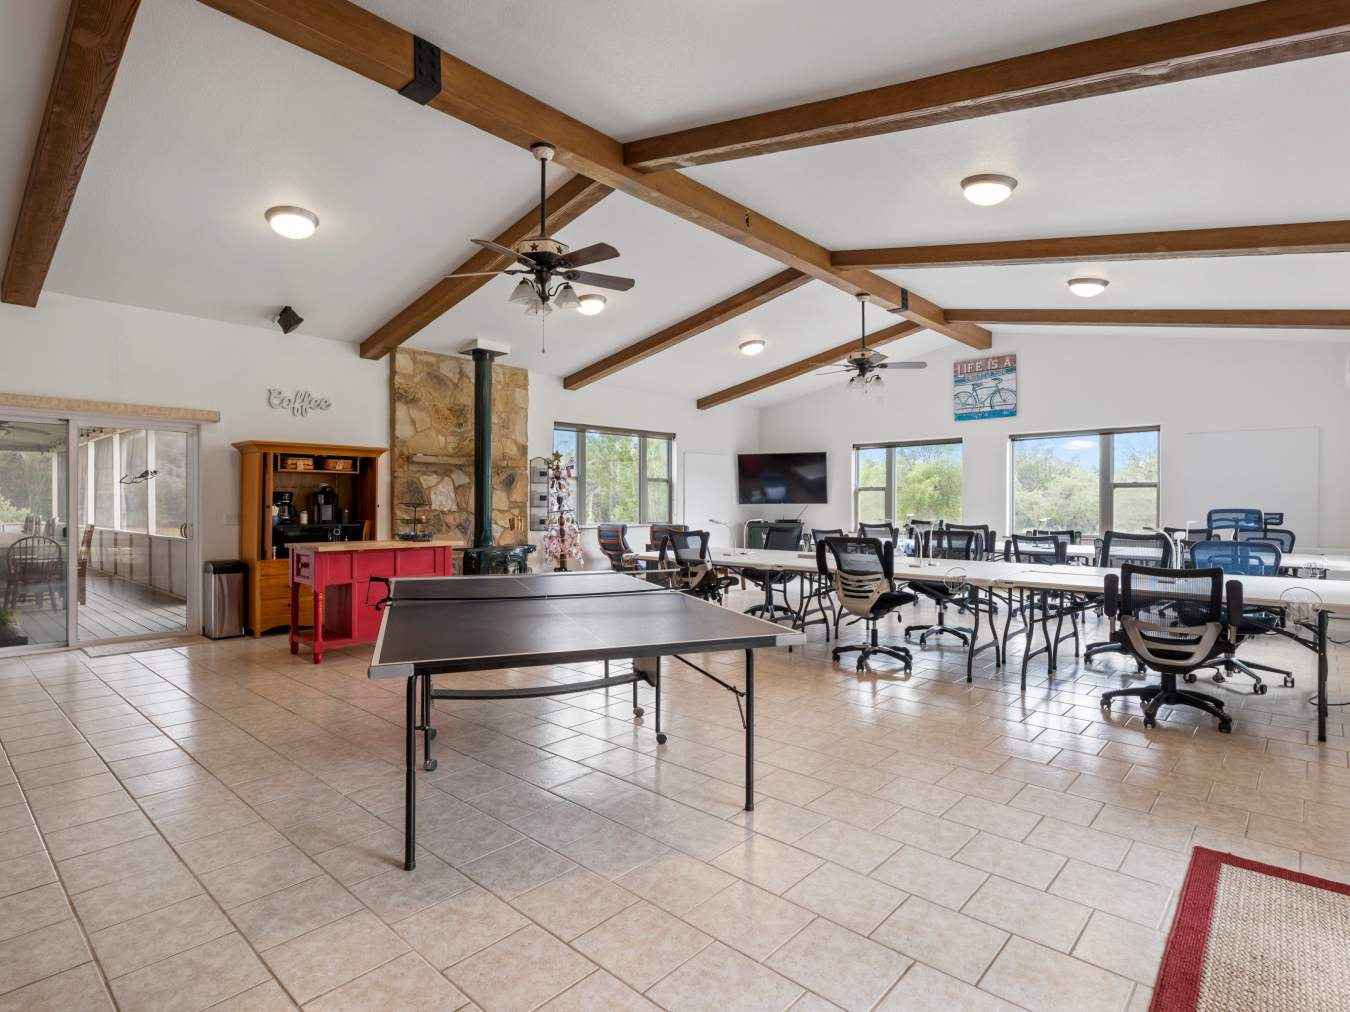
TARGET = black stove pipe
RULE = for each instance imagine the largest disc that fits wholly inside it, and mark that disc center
(482, 447)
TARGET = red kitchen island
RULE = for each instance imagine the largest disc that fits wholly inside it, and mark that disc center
(339, 573)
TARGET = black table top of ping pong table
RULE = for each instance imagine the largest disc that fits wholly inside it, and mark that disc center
(442, 624)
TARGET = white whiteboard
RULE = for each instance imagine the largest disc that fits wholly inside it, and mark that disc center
(707, 485)
(1276, 470)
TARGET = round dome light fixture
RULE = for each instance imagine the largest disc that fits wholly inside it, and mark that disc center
(590, 304)
(292, 222)
(988, 189)
(753, 346)
(1087, 287)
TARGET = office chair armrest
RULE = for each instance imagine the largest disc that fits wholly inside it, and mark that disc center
(888, 562)
(1233, 606)
(1111, 596)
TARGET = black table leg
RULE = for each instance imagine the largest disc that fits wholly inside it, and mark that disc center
(410, 786)
(973, 597)
(1323, 620)
(749, 730)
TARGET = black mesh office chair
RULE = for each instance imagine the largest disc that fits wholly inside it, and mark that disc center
(1041, 550)
(916, 529)
(986, 544)
(1244, 558)
(687, 566)
(1173, 621)
(780, 537)
(956, 547)
(1120, 548)
(864, 580)
(1278, 536)
(882, 530)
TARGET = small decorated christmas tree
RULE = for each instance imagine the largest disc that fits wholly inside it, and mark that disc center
(562, 539)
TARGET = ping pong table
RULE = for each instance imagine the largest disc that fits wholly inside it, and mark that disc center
(441, 625)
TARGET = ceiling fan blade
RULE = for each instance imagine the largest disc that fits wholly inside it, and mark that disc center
(505, 251)
(479, 274)
(599, 280)
(589, 255)
(901, 365)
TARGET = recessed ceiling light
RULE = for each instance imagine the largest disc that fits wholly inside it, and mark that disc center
(590, 304)
(751, 347)
(1087, 287)
(292, 222)
(988, 189)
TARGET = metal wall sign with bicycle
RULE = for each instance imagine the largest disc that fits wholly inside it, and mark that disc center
(984, 387)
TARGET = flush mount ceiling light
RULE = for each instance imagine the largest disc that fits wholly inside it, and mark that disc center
(590, 304)
(988, 189)
(1087, 287)
(292, 222)
(751, 347)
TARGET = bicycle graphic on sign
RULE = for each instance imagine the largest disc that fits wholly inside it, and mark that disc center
(984, 388)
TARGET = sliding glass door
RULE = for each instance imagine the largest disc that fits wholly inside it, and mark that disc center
(133, 500)
(34, 533)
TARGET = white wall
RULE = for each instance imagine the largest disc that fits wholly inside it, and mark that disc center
(1078, 381)
(82, 348)
(722, 430)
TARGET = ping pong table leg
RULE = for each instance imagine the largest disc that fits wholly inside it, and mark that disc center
(410, 783)
(749, 730)
(428, 732)
(1323, 620)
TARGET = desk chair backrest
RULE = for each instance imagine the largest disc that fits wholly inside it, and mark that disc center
(1274, 519)
(783, 537)
(986, 537)
(819, 534)
(948, 544)
(1275, 535)
(1239, 518)
(1173, 619)
(1119, 548)
(882, 530)
(613, 540)
(1067, 537)
(657, 533)
(1238, 558)
(863, 568)
(1037, 549)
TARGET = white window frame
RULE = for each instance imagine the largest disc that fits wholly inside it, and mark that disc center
(890, 448)
(644, 502)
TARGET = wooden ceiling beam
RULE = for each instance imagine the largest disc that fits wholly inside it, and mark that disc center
(1254, 35)
(364, 43)
(806, 365)
(1314, 319)
(705, 319)
(95, 39)
(564, 205)
(1244, 240)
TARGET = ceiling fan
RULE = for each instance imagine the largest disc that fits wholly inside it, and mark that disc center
(864, 365)
(548, 269)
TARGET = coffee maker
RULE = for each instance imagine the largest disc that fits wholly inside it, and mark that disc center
(323, 505)
(284, 501)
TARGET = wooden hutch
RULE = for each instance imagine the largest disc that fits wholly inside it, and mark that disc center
(353, 472)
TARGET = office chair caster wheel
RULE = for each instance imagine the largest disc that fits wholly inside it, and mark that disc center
(1105, 704)
(1260, 688)
(861, 667)
(1150, 722)
(429, 765)
(660, 739)
(1226, 726)
(638, 711)
(1189, 677)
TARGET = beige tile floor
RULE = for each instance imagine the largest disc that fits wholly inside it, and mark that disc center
(218, 826)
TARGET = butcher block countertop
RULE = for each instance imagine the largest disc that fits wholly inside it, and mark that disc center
(371, 546)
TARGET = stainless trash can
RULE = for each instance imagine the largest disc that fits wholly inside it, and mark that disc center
(223, 599)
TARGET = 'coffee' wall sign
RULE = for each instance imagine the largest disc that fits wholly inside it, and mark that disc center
(301, 402)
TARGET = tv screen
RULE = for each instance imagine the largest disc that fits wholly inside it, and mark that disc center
(780, 479)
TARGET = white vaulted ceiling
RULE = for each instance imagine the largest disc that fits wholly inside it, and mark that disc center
(211, 121)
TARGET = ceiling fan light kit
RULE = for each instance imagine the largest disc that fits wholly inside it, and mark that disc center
(864, 365)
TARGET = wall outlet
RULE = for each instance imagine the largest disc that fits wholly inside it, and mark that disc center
(231, 519)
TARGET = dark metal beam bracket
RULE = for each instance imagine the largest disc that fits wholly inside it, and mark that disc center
(426, 82)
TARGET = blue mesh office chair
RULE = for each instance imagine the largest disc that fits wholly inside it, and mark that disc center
(1244, 558)
(1284, 539)
(1236, 519)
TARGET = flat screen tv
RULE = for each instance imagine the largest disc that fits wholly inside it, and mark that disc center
(780, 479)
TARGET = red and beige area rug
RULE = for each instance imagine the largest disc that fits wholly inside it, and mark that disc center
(1250, 936)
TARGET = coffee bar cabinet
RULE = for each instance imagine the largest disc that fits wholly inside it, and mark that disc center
(299, 493)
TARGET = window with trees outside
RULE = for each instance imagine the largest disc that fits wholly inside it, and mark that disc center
(622, 475)
(894, 481)
(1086, 481)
